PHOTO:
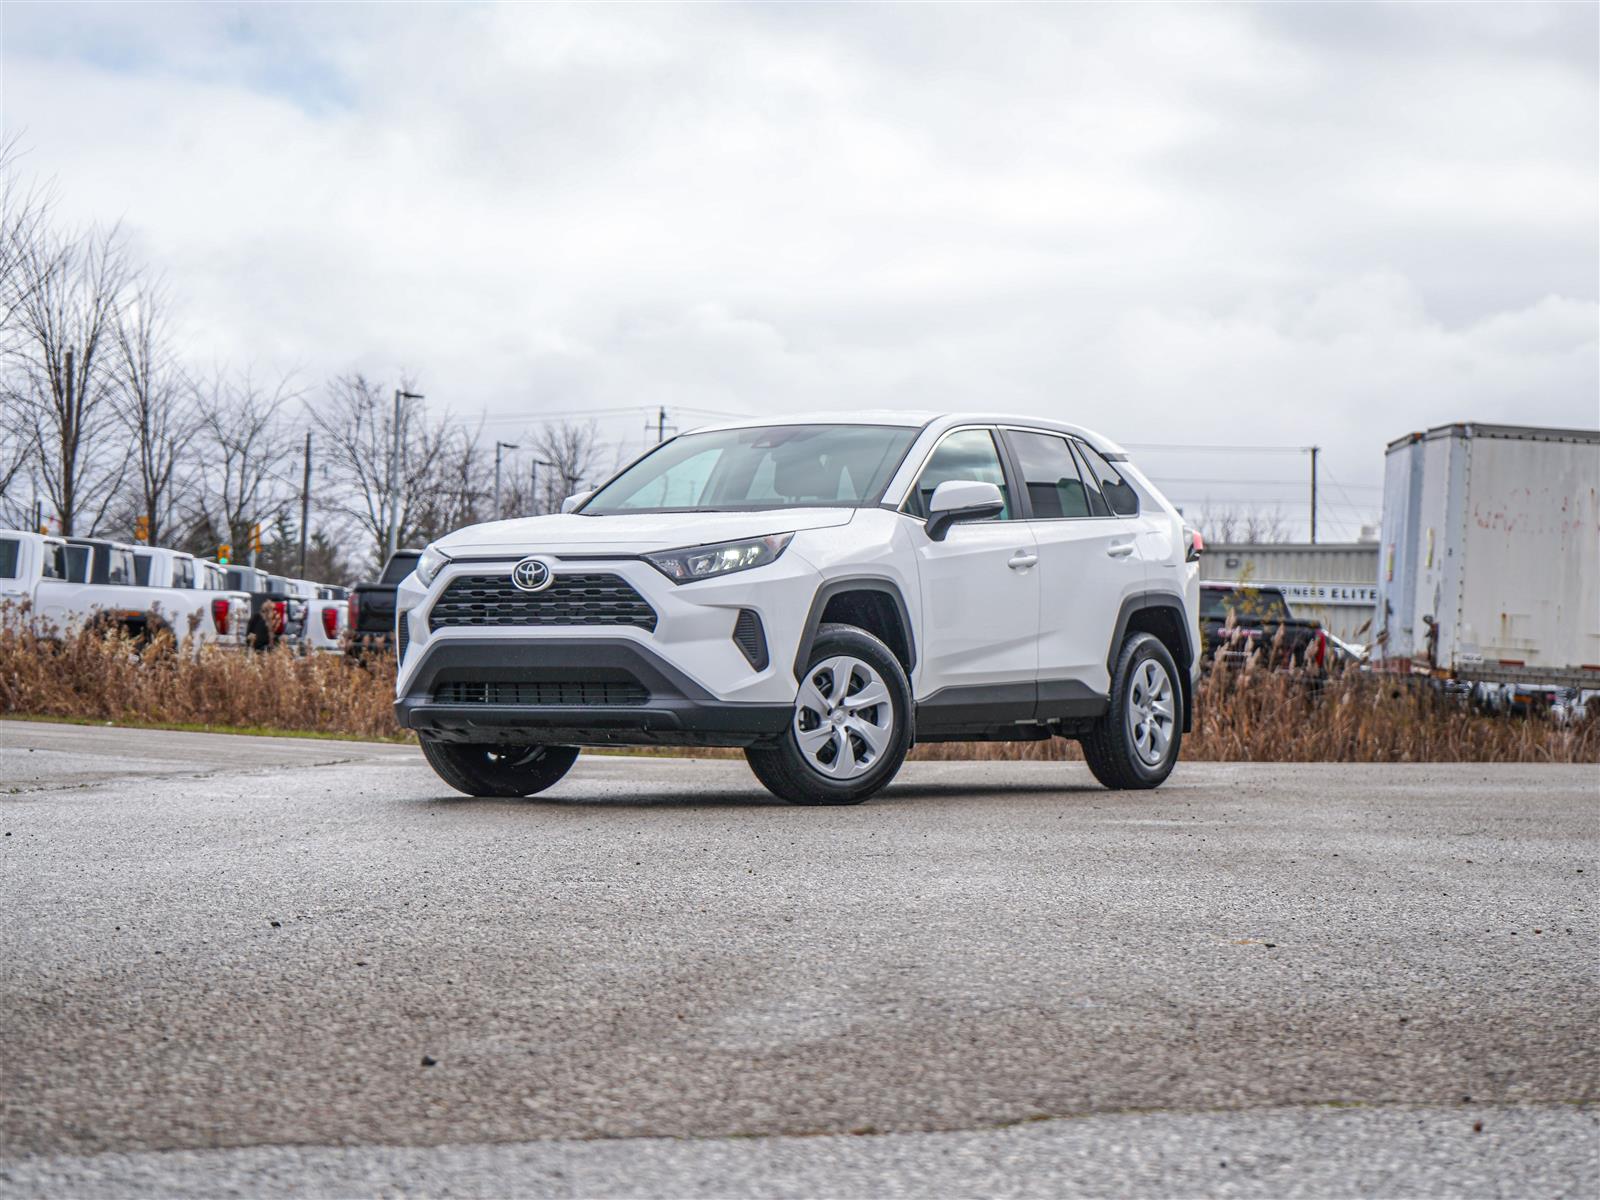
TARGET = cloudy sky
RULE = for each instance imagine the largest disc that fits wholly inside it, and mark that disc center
(1178, 225)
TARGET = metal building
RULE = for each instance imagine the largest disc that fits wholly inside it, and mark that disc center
(1335, 583)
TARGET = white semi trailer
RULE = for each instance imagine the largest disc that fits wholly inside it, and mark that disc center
(1490, 567)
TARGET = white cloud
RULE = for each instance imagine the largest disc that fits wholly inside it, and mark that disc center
(1325, 224)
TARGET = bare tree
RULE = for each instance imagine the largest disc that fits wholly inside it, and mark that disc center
(156, 406)
(1266, 525)
(430, 488)
(1253, 526)
(64, 294)
(24, 208)
(245, 451)
(569, 454)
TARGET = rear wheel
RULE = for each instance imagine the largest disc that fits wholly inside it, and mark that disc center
(490, 770)
(1135, 744)
(851, 726)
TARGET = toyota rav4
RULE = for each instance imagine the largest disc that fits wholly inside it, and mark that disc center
(822, 592)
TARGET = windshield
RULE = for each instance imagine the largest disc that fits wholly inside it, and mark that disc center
(1248, 605)
(774, 466)
(398, 567)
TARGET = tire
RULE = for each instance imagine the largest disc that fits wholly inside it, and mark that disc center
(1120, 748)
(479, 769)
(804, 765)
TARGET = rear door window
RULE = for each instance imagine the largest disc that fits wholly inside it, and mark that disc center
(1049, 475)
(141, 569)
(78, 564)
(10, 558)
(183, 572)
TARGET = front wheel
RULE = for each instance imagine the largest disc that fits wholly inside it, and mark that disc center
(480, 769)
(1135, 744)
(851, 726)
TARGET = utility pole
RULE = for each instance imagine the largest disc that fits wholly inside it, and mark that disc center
(1314, 451)
(661, 424)
(394, 470)
(305, 504)
(66, 515)
(499, 446)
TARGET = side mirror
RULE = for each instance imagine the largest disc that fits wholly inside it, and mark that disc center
(959, 500)
(577, 498)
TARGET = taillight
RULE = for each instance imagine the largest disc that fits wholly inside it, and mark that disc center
(355, 611)
(279, 610)
(1195, 544)
(330, 621)
(1322, 646)
(219, 614)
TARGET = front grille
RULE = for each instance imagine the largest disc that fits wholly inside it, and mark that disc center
(484, 601)
(579, 693)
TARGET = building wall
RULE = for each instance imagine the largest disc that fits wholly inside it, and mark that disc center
(1335, 583)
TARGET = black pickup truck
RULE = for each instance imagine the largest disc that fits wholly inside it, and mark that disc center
(273, 610)
(1238, 619)
(372, 604)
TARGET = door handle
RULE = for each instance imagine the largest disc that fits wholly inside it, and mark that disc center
(1120, 549)
(1022, 560)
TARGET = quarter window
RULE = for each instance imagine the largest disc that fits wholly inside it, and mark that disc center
(10, 552)
(1119, 495)
(1050, 475)
(968, 454)
(122, 568)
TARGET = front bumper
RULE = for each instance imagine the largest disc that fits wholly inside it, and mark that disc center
(670, 708)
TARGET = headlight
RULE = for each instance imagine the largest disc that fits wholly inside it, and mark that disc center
(704, 562)
(433, 561)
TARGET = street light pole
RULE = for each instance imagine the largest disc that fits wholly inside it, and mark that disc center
(533, 481)
(394, 470)
(499, 446)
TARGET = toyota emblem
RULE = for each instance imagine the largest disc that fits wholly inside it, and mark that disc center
(531, 575)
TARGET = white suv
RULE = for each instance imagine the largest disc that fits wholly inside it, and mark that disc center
(822, 591)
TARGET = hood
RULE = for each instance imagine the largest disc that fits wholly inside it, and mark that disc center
(630, 533)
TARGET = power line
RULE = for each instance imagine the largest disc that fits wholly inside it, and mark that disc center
(1184, 448)
(1164, 479)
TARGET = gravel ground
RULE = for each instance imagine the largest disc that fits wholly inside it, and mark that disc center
(265, 966)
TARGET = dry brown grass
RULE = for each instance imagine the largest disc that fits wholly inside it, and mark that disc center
(114, 679)
(1244, 715)
(1269, 716)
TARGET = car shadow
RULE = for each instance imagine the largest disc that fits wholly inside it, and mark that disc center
(753, 797)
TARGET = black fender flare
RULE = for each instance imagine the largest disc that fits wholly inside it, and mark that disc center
(1161, 599)
(854, 583)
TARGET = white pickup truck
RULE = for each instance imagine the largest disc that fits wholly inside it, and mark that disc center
(201, 605)
(69, 583)
(327, 616)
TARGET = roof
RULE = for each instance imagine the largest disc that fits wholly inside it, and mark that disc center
(1527, 433)
(916, 419)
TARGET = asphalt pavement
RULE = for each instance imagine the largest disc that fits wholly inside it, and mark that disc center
(253, 966)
